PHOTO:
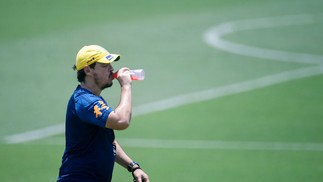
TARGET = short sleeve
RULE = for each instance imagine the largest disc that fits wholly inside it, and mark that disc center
(93, 110)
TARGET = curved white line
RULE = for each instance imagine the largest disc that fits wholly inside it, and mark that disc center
(214, 37)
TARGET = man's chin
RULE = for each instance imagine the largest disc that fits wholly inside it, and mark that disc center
(107, 85)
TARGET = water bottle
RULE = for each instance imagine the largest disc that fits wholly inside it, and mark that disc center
(137, 74)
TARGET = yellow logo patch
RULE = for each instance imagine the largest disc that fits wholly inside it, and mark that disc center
(98, 108)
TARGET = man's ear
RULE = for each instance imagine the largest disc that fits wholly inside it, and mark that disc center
(87, 70)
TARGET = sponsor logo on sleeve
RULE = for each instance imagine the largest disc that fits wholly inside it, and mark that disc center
(99, 107)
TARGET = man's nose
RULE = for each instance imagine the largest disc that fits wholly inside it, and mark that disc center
(111, 68)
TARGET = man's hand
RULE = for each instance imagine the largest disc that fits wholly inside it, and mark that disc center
(140, 176)
(124, 76)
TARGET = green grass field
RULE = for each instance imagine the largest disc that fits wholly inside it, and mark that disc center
(250, 133)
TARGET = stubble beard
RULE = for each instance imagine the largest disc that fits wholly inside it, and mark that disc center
(96, 80)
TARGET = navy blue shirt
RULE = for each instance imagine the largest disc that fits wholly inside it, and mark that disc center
(89, 153)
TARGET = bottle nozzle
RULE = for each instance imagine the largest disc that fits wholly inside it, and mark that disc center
(115, 75)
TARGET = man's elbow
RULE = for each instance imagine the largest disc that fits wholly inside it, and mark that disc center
(123, 125)
(120, 125)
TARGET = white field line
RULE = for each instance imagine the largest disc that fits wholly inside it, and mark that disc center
(229, 145)
(213, 37)
(228, 90)
(182, 100)
(35, 134)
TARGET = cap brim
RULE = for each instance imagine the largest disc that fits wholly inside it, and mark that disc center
(109, 58)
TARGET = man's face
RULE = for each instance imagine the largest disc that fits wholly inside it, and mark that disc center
(103, 75)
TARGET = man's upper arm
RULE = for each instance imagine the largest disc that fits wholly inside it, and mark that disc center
(93, 111)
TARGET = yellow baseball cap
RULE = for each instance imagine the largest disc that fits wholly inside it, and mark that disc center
(94, 53)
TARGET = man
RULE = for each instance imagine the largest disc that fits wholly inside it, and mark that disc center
(91, 148)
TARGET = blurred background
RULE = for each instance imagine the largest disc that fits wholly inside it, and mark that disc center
(233, 90)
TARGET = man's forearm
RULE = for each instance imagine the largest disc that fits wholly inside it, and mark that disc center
(121, 157)
(124, 108)
(120, 118)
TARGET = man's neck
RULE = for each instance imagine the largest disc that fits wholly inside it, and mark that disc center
(93, 88)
